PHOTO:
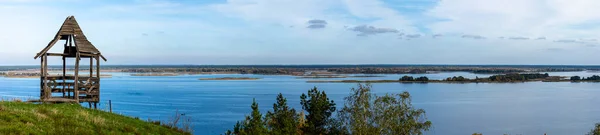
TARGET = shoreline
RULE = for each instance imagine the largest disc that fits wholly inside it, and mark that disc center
(300, 70)
(440, 81)
(229, 78)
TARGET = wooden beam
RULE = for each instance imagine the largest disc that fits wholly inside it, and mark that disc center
(102, 57)
(76, 88)
(46, 91)
(98, 76)
(56, 38)
(64, 73)
(41, 78)
(91, 67)
(86, 54)
(56, 54)
(98, 68)
(48, 47)
(70, 41)
(94, 55)
(67, 42)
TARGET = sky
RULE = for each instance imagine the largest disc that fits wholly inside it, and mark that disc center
(240, 32)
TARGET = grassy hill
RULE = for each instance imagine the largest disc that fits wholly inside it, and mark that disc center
(27, 118)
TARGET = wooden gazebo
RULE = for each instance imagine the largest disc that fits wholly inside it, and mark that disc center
(71, 87)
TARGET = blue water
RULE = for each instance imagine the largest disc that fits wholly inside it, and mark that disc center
(215, 106)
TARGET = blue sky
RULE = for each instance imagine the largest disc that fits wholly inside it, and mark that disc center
(311, 31)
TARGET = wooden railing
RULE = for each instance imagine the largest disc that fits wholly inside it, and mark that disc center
(88, 87)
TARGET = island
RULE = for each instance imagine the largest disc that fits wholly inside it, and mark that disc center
(506, 78)
(155, 74)
(365, 76)
(230, 78)
(321, 76)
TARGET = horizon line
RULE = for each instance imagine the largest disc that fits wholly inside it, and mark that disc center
(328, 65)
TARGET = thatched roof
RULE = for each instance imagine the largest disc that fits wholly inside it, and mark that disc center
(71, 27)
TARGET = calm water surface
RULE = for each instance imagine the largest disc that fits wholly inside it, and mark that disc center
(215, 106)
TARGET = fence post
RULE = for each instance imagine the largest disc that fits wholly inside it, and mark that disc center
(110, 105)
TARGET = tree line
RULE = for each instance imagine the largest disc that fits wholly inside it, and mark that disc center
(411, 79)
(517, 77)
(363, 113)
(592, 78)
(494, 78)
(298, 70)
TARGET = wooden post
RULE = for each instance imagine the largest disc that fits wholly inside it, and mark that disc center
(64, 72)
(98, 76)
(98, 67)
(76, 88)
(110, 106)
(42, 78)
(64, 69)
(47, 94)
(91, 66)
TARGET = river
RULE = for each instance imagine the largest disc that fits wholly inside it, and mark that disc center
(215, 106)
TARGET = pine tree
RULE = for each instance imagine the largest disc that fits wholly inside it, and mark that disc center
(255, 124)
(319, 109)
(252, 125)
(283, 120)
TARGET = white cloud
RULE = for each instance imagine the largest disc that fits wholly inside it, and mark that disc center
(519, 38)
(225, 30)
(552, 18)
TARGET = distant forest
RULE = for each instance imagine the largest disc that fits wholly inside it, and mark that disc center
(340, 69)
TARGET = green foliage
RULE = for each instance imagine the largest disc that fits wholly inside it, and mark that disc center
(575, 78)
(252, 125)
(459, 78)
(596, 130)
(26, 118)
(393, 114)
(410, 79)
(422, 79)
(407, 78)
(517, 77)
(364, 113)
(357, 112)
(319, 109)
(592, 78)
(283, 120)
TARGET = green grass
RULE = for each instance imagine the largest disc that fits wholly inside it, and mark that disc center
(27, 118)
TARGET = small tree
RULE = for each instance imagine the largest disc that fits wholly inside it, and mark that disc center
(357, 113)
(407, 78)
(319, 109)
(283, 120)
(422, 79)
(392, 114)
(596, 130)
(252, 125)
(575, 78)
